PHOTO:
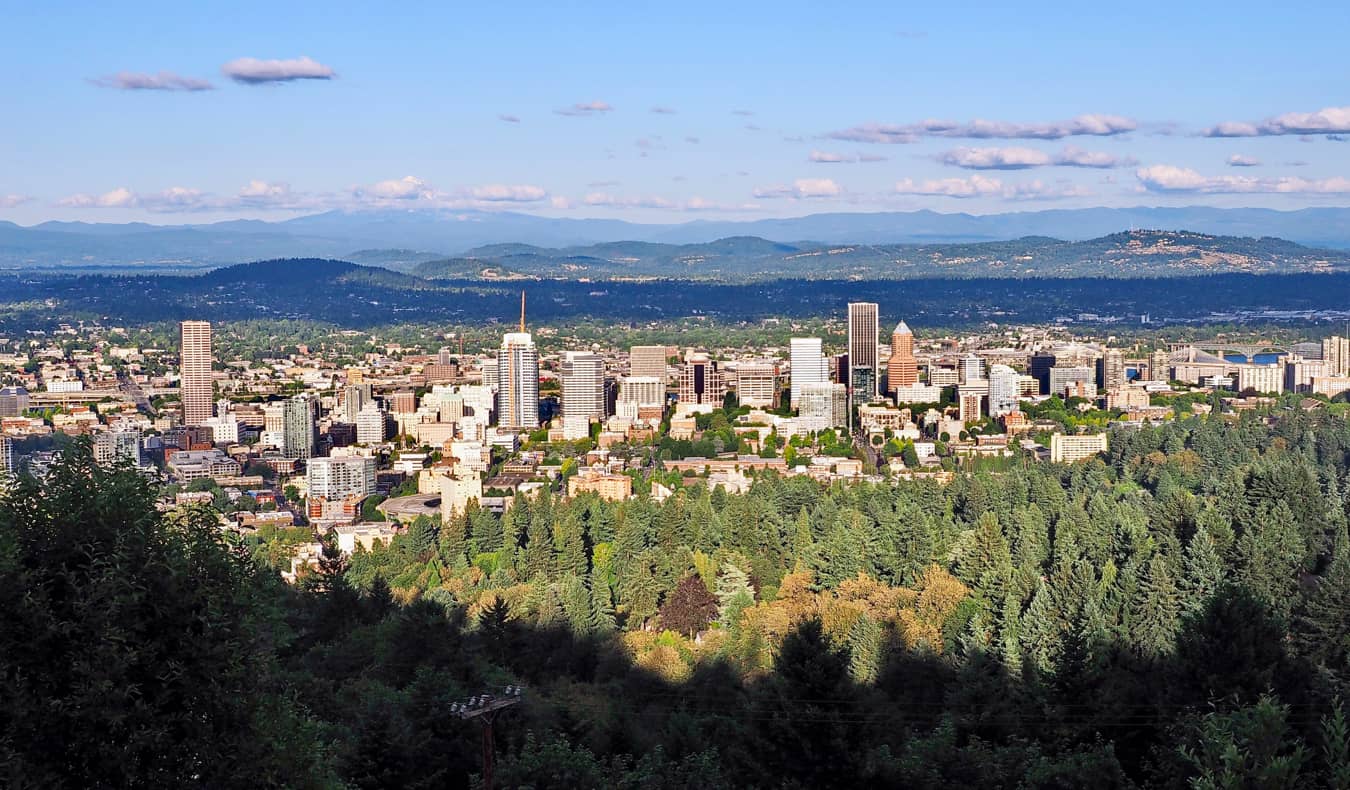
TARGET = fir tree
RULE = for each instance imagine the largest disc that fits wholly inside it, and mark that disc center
(1156, 611)
(864, 645)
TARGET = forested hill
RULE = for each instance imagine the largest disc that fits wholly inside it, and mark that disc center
(1172, 614)
(1127, 255)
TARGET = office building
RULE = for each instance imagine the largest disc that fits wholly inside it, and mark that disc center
(518, 381)
(115, 447)
(404, 402)
(1336, 353)
(1004, 390)
(491, 373)
(643, 390)
(195, 371)
(370, 425)
(757, 384)
(701, 382)
(583, 393)
(9, 463)
(1038, 366)
(1111, 369)
(808, 366)
(1160, 366)
(972, 369)
(823, 405)
(939, 376)
(341, 478)
(902, 370)
(1260, 378)
(299, 432)
(648, 362)
(13, 401)
(354, 398)
(1076, 381)
(862, 351)
(970, 403)
(1069, 449)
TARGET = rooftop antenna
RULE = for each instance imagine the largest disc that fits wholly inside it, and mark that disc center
(522, 311)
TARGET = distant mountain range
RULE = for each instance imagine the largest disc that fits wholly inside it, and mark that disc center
(405, 239)
(1133, 254)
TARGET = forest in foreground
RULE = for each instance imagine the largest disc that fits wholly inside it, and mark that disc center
(1175, 613)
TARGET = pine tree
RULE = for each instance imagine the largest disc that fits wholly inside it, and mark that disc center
(571, 544)
(486, 533)
(602, 607)
(540, 563)
(1156, 611)
(1203, 571)
(733, 594)
(1322, 625)
(453, 546)
(864, 645)
(576, 603)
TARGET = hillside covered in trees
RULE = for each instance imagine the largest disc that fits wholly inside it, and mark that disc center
(1175, 613)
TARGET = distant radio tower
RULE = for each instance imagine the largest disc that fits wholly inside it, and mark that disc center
(522, 311)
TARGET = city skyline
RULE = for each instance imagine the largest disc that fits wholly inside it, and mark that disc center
(578, 112)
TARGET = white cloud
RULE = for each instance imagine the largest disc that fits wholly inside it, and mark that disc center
(586, 108)
(559, 202)
(406, 188)
(607, 200)
(1082, 125)
(984, 186)
(163, 81)
(504, 193)
(801, 188)
(995, 158)
(252, 71)
(11, 201)
(1330, 120)
(1239, 160)
(1168, 178)
(828, 157)
(117, 198)
(1025, 158)
(871, 158)
(508, 118)
(743, 113)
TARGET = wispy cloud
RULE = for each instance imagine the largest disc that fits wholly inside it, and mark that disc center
(607, 200)
(983, 186)
(406, 188)
(662, 110)
(120, 197)
(508, 118)
(1168, 178)
(11, 201)
(163, 81)
(802, 188)
(1015, 158)
(1083, 125)
(743, 113)
(911, 34)
(509, 193)
(585, 108)
(252, 71)
(1331, 120)
(1238, 160)
(692, 140)
(827, 157)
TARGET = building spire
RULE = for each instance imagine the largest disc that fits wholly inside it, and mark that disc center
(522, 311)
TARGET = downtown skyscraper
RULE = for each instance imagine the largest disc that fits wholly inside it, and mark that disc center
(518, 379)
(862, 351)
(583, 393)
(194, 342)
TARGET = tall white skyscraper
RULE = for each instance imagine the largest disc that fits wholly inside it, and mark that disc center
(808, 366)
(195, 369)
(862, 351)
(583, 393)
(1004, 387)
(518, 379)
(299, 430)
(341, 478)
(972, 369)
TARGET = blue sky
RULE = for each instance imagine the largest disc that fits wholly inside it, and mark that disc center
(663, 112)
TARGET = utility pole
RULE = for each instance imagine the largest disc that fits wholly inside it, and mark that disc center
(484, 708)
